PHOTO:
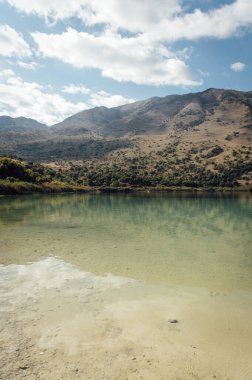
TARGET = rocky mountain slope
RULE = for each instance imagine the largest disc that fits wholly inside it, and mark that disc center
(20, 130)
(218, 112)
(160, 115)
(8, 123)
(187, 139)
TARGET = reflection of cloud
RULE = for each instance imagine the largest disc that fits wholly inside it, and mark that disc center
(178, 239)
(20, 282)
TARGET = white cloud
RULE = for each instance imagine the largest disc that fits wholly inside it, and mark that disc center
(123, 59)
(28, 66)
(134, 15)
(238, 66)
(143, 56)
(203, 74)
(103, 98)
(73, 89)
(12, 43)
(29, 99)
(223, 22)
(7, 73)
(97, 98)
(164, 19)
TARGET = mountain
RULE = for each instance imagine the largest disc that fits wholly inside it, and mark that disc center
(161, 115)
(191, 140)
(19, 130)
(23, 124)
(218, 111)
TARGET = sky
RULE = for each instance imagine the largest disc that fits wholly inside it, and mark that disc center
(60, 57)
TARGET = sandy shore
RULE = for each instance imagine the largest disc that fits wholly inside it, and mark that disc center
(60, 323)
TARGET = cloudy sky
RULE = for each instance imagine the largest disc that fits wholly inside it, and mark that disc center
(59, 57)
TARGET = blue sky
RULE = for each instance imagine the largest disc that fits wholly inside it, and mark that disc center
(61, 57)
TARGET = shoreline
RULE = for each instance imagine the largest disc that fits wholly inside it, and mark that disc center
(8, 188)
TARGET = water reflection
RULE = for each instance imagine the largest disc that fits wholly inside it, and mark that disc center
(182, 239)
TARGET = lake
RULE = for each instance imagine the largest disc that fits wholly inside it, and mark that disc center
(126, 286)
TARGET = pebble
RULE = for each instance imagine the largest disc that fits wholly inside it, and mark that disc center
(172, 320)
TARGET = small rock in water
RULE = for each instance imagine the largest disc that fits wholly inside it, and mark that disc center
(171, 320)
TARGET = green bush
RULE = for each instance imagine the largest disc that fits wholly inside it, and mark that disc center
(14, 169)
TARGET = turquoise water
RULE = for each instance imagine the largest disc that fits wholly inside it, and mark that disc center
(202, 241)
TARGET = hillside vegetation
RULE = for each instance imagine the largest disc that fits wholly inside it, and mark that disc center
(197, 140)
(18, 177)
(23, 177)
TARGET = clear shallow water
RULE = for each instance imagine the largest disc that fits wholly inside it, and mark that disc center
(89, 283)
(181, 240)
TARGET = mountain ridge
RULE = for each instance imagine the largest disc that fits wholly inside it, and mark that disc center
(24, 122)
(192, 140)
(20, 122)
(147, 115)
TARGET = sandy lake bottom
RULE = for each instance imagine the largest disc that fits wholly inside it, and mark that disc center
(121, 287)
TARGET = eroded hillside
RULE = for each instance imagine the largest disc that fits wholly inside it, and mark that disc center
(200, 139)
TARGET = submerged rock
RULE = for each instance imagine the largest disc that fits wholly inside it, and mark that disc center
(171, 320)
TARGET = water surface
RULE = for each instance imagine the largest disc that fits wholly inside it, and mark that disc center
(185, 240)
(88, 284)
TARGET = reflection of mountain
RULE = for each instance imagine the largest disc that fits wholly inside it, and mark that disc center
(185, 240)
(192, 212)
